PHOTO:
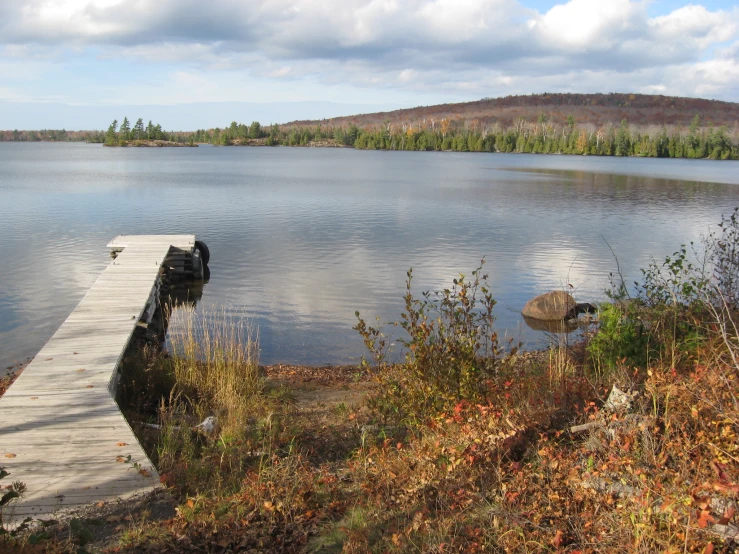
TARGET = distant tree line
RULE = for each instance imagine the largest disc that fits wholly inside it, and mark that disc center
(238, 133)
(539, 137)
(542, 135)
(51, 135)
(120, 136)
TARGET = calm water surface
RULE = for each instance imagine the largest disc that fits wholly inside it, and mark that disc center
(301, 238)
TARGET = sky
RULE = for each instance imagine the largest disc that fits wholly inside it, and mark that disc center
(79, 64)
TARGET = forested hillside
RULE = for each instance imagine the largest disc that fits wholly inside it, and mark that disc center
(595, 109)
(586, 124)
(603, 125)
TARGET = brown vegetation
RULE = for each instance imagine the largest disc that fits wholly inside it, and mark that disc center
(594, 109)
(466, 446)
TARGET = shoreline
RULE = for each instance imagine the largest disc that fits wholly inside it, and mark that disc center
(151, 144)
(261, 143)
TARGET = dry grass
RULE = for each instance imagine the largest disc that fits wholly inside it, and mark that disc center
(501, 475)
(215, 361)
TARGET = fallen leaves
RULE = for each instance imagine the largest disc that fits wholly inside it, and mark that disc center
(705, 518)
(504, 480)
(558, 540)
(728, 516)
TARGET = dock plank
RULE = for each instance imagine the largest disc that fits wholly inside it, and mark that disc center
(61, 432)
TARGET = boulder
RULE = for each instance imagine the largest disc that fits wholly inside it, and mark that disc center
(552, 306)
(556, 327)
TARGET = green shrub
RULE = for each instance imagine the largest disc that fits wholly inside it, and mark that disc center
(677, 302)
(451, 351)
(724, 257)
(621, 339)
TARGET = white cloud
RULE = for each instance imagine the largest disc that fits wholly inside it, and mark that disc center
(697, 25)
(584, 24)
(454, 47)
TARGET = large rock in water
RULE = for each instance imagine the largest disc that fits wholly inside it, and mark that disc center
(552, 306)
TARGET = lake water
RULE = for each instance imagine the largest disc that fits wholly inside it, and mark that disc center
(301, 238)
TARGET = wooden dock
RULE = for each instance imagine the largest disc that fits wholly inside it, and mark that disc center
(61, 432)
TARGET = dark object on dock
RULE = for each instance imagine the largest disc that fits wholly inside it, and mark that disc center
(204, 252)
(186, 259)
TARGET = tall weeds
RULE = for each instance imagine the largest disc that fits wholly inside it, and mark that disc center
(215, 360)
(214, 363)
(452, 351)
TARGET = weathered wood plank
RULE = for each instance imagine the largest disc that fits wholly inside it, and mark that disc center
(58, 420)
(178, 241)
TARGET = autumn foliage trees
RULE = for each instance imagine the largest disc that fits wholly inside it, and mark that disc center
(541, 136)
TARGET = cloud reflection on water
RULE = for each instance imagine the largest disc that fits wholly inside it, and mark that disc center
(301, 238)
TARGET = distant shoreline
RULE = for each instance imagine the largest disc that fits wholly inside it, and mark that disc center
(262, 142)
(152, 144)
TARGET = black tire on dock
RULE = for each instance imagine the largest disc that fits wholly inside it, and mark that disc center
(204, 252)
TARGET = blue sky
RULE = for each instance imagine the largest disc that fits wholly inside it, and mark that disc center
(188, 63)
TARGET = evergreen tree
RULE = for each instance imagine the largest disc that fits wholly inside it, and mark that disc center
(255, 130)
(138, 129)
(111, 138)
(125, 133)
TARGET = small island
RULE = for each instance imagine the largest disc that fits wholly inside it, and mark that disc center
(140, 136)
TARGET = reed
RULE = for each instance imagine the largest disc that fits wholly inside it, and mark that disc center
(215, 361)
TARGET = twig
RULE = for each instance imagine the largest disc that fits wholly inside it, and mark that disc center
(158, 427)
(618, 268)
(724, 452)
(586, 426)
(687, 531)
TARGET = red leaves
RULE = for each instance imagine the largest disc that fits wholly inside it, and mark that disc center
(511, 497)
(558, 540)
(705, 518)
(731, 488)
(708, 504)
(720, 471)
(728, 515)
